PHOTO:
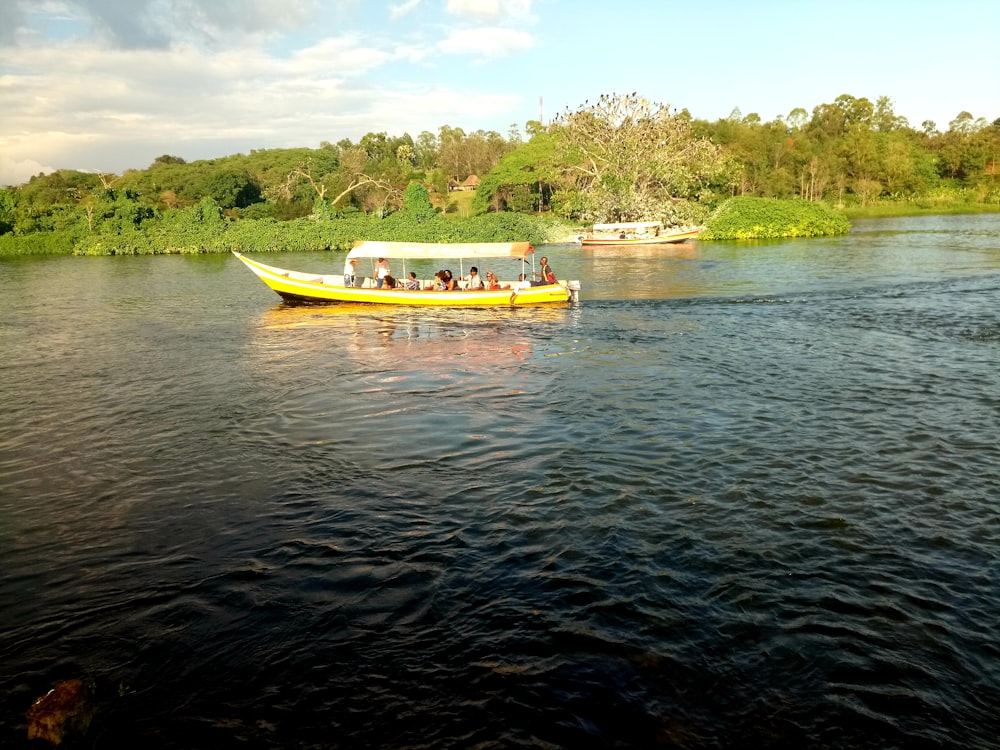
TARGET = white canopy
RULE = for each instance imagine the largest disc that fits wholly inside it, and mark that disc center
(433, 250)
(627, 225)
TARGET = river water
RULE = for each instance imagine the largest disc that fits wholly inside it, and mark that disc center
(743, 495)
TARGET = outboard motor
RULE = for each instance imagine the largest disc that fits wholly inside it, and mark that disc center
(573, 287)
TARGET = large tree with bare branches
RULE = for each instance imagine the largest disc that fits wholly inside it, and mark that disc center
(629, 159)
(349, 178)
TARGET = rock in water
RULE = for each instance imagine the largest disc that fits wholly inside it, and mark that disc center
(64, 711)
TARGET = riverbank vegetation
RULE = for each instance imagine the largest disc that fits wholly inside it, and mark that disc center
(772, 218)
(622, 158)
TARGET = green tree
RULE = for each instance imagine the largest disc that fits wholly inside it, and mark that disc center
(417, 201)
(856, 110)
(461, 154)
(405, 155)
(860, 152)
(828, 122)
(231, 188)
(450, 154)
(426, 151)
(523, 178)
(763, 152)
(884, 119)
(160, 161)
(967, 148)
(797, 118)
(127, 214)
(963, 124)
(377, 146)
(8, 202)
(898, 163)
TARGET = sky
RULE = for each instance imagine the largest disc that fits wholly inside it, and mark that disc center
(109, 85)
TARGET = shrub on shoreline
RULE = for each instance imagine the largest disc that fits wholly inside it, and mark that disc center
(770, 218)
(202, 229)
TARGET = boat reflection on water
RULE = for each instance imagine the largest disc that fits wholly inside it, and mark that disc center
(685, 250)
(287, 315)
(363, 361)
(387, 337)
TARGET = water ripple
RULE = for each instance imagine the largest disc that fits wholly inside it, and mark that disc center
(758, 513)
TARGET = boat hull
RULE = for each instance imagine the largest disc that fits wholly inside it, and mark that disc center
(314, 289)
(665, 239)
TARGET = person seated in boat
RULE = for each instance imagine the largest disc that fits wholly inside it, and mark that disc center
(475, 281)
(546, 273)
(438, 284)
(450, 282)
(381, 271)
(388, 282)
(522, 283)
(411, 283)
(491, 280)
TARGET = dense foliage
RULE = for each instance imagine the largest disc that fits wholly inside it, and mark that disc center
(622, 158)
(768, 218)
(853, 152)
(204, 229)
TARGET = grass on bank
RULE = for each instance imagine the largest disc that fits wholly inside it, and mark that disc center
(888, 210)
(458, 203)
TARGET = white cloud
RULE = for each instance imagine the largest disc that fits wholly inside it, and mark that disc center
(436, 105)
(11, 21)
(341, 56)
(81, 106)
(489, 10)
(412, 53)
(16, 172)
(403, 9)
(154, 24)
(81, 98)
(490, 42)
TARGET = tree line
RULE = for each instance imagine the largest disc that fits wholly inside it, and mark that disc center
(620, 158)
(853, 151)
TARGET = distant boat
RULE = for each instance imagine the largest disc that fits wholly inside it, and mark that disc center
(637, 233)
(312, 288)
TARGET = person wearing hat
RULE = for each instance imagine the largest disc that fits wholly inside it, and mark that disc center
(349, 271)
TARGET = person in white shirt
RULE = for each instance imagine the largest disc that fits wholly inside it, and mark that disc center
(349, 271)
(381, 271)
(475, 280)
(522, 283)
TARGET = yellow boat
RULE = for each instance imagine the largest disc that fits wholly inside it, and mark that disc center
(311, 288)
